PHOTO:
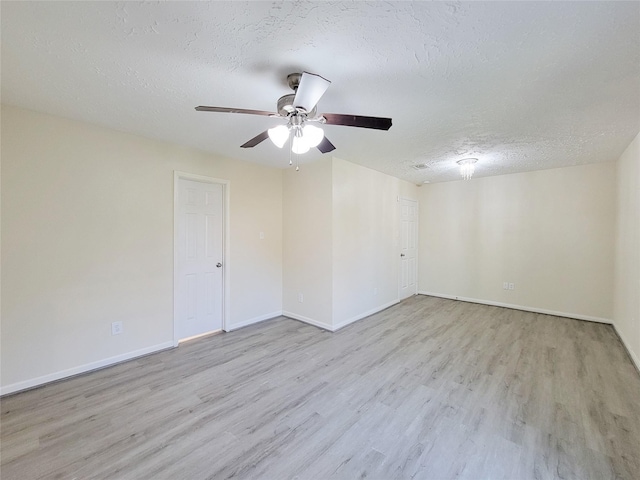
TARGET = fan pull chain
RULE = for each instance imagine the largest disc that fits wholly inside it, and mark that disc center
(290, 153)
(290, 150)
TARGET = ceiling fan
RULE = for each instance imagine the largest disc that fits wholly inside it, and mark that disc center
(300, 110)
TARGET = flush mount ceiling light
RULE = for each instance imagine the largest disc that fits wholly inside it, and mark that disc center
(421, 166)
(467, 167)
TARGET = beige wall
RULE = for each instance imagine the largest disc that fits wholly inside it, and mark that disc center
(550, 232)
(340, 241)
(307, 242)
(87, 224)
(365, 239)
(627, 279)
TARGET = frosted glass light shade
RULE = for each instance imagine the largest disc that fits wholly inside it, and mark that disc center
(279, 135)
(467, 167)
(313, 135)
(300, 145)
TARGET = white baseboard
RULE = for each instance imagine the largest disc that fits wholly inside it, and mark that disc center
(251, 321)
(335, 328)
(576, 316)
(88, 367)
(308, 320)
(364, 315)
(632, 355)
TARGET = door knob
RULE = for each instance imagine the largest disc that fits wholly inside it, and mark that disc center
(218, 264)
(402, 254)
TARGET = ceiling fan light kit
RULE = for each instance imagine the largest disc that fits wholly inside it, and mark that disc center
(299, 108)
(312, 135)
(279, 135)
(304, 138)
(298, 146)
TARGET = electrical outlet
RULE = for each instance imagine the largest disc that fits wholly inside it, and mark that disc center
(505, 285)
(116, 328)
(512, 286)
(300, 298)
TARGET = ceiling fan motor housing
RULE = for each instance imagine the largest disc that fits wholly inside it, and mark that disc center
(285, 104)
(286, 108)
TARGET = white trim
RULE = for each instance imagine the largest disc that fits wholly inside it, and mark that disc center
(335, 328)
(226, 245)
(576, 316)
(364, 315)
(632, 355)
(308, 320)
(88, 367)
(254, 320)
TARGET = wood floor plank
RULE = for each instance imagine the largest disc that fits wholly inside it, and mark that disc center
(429, 388)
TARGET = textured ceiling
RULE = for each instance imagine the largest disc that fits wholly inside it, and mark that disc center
(520, 85)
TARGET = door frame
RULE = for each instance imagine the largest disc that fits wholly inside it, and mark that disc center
(400, 198)
(226, 264)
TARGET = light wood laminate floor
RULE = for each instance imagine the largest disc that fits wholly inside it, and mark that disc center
(430, 388)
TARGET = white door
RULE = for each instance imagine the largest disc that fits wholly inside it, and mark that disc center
(408, 248)
(199, 255)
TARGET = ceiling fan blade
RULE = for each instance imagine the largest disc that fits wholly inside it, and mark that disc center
(310, 90)
(326, 146)
(235, 110)
(379, 123)
(256, 140)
